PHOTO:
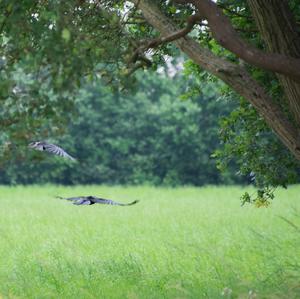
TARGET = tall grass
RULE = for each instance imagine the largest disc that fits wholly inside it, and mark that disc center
(176, 243)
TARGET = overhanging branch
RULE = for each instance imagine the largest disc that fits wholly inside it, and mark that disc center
(154, 43)
(228, 37)
(191, 21)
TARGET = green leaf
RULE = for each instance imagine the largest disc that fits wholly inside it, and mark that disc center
(66, 34)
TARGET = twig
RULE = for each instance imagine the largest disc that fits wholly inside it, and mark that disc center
(154, 43)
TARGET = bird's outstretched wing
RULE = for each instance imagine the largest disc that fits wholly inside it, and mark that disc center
(50, 148)
(90, 200)
(56, 150)
(110, 202)
(71, 198)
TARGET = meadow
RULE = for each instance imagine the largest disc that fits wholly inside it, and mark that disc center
(176, 243)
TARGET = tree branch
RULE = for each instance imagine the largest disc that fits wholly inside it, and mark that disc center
(227, 37)
(191, 21)
(154, 43)
(232, 12)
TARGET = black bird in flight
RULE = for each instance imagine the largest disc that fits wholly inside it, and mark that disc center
(50, 148)
(90, 200)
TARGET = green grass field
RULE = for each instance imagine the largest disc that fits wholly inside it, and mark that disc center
(176, 243)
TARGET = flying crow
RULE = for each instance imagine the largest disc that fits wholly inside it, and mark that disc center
(90, 200)
(50, 148)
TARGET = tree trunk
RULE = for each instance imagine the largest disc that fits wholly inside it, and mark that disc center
(235, 76)
(278, 29)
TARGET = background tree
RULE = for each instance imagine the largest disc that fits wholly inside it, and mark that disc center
(156, 136)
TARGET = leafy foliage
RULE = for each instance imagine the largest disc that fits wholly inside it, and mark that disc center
(46, 50)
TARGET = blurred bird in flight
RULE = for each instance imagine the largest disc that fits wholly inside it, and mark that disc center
(90, 200)
(50, 148)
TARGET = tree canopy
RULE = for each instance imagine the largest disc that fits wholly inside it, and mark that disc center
(49, 49)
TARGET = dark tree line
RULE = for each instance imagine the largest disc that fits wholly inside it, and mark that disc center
(155, 136)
